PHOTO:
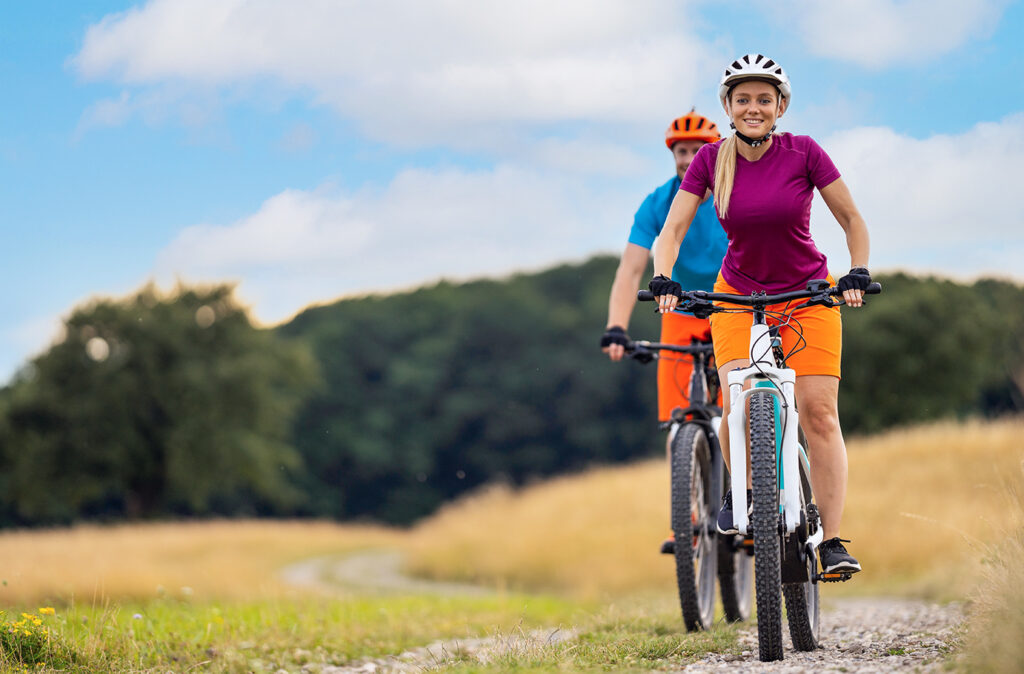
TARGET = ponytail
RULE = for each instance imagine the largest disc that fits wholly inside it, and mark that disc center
(725, 174)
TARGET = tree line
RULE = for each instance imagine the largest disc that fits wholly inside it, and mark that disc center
(384, 407)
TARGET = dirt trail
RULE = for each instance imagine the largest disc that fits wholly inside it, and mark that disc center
(373, 571)
(858, 635)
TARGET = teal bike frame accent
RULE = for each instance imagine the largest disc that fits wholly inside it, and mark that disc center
(778, 436)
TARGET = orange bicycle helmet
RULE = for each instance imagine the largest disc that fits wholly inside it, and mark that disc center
(691, 126)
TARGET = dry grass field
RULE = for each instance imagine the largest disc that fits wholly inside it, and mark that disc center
(926, 506)
(219, 559)
(922, 505)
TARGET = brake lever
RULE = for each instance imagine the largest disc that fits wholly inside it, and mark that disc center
(824, 300)
(699, 308)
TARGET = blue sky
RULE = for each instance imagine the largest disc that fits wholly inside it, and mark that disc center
(312, 149)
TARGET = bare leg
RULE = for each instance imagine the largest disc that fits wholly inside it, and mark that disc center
(817, 399)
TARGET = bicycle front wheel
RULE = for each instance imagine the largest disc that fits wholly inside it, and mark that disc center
(691, 523)
(765, 526)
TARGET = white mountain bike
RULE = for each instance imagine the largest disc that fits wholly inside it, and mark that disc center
(784, 521)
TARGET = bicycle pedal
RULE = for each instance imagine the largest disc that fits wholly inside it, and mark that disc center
(841, 577)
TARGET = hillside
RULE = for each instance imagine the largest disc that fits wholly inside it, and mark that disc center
(431, 393)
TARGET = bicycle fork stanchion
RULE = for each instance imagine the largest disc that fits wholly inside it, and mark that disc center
(764, 372)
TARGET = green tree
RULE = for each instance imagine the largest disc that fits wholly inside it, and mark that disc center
(432, 392)
(928, 348)
(151, 406)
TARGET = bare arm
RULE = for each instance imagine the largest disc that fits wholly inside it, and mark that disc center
(627, 282)
(623, 295)
(839, 200)
(666, 249)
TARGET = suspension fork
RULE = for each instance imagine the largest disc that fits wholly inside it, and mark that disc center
(779, 382)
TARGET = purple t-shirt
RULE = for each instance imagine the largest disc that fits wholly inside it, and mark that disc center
(769, 223)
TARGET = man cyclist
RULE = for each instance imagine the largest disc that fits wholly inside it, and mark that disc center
(699, 260)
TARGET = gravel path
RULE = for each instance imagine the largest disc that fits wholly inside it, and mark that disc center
(857, 635)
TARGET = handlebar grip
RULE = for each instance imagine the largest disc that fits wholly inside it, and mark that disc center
(874, 288)
(645, 296)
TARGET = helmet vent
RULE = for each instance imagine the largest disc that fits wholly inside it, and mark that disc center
(687, 123)
(700, 123)
(778, 71)
(758, 60)
(746, 59)
(737, 65)
(769, 63)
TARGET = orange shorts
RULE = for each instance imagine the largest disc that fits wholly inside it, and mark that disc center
(674, 368)
(818, 353)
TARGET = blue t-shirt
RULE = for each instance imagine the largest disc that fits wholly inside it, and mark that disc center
(701, 253)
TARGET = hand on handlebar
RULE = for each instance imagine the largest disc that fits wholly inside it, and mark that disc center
(667, 292)
(853, 286)
(613, 342)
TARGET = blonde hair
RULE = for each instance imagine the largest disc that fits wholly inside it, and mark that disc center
(725, 174)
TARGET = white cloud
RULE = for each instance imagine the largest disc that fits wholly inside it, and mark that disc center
(939, 204)
(445, 71)
(303, 247)
(942, 204)
(589, 156)
(876, 33)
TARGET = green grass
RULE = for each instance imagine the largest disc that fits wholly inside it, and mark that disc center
(620, 640)
(271, 635)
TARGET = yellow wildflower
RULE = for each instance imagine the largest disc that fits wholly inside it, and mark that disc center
(46, 610)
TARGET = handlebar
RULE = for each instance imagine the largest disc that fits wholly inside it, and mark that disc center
(817, 292)
(699, 347)
(645, 351)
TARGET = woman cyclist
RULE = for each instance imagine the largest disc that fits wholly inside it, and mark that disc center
(763, 184)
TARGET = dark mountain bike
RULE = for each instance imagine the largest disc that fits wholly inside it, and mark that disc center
(698, 476)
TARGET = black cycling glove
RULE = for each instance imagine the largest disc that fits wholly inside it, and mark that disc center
(663, 285)
(614, 335)
(857, 279)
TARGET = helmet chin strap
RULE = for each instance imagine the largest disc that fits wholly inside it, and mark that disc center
(753, 142)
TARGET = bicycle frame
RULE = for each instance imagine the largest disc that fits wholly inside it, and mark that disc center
(765, 375)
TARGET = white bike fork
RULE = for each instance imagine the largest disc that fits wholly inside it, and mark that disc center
(781, 382)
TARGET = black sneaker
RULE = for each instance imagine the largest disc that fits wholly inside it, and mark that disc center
(668, 546)
(725, 524)
(835, 558)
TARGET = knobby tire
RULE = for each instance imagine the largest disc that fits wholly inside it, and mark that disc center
(692, 526)
(765, 527)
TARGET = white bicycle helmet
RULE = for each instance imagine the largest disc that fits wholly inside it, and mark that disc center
(755, 67)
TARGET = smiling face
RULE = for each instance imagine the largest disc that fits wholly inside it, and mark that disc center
(754, 107)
